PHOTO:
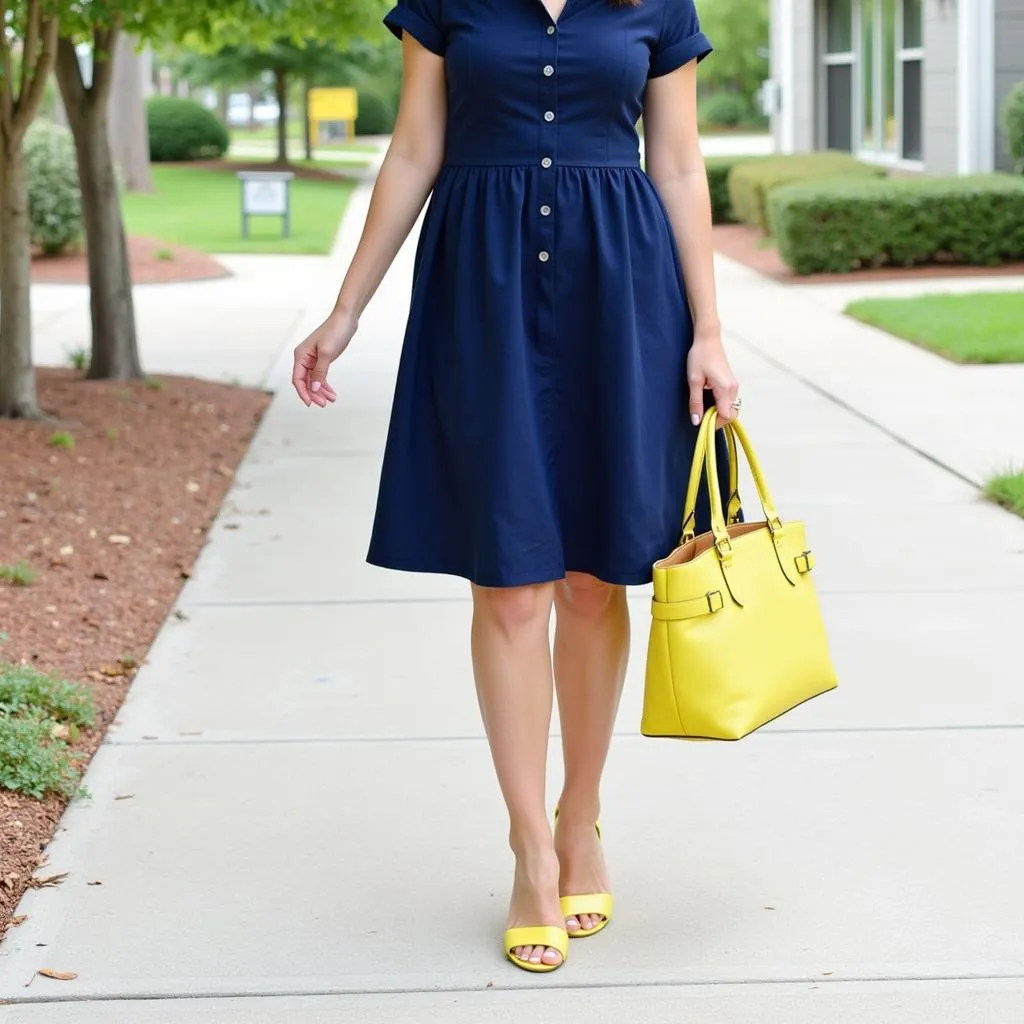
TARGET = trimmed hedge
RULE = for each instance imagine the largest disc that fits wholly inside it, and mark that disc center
(719, 168)
(723, 110)
(181, 129)
(849, 224)
(750, 184)
(376, 115)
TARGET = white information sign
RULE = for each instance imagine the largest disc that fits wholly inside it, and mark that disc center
(266, 198)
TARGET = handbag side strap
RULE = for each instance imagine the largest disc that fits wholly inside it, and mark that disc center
(671, 611)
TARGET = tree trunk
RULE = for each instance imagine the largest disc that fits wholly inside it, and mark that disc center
(308, 127)
(115, 353)
(129, 132)
(254, 99)
(281, 92)
(115, 349)
(223, 102)
(17, 378)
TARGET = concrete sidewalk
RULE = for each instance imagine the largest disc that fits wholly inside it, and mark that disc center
(314, 833)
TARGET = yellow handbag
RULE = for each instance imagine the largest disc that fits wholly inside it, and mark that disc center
(737, 636)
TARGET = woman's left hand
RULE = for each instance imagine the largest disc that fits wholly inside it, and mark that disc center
(707, 369)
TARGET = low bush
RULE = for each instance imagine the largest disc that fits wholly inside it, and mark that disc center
(54, 196)
(723, 110)
(751, 183)
(376, 115)
(719, 168)
(848, 224)
(40, 716)
(181, 129)
(1013, 123)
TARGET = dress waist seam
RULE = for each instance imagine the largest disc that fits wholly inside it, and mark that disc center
(562, 164)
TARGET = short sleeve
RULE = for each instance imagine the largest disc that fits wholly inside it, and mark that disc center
(421, 19)
(680, 40)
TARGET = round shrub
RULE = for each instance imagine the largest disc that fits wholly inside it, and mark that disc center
(54, 196)
(181, 129)
(376, 115)
(1013, 123)
(723, 110)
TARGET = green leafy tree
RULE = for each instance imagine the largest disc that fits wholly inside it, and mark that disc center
(739, 30)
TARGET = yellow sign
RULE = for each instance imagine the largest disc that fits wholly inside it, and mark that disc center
(333, 113)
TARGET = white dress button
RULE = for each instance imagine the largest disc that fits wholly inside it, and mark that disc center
(551, 30)
(544, 257)
(546, 162)
(548, 70)
(545, 210)
(549, 116)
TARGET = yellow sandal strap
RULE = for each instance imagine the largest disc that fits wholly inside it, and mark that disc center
(599, 903)
(538, 935)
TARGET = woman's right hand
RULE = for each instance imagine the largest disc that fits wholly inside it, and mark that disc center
(314, 356)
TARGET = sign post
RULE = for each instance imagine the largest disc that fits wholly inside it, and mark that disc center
(266, 194)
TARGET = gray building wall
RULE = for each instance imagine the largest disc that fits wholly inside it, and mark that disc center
(804, 88)
(806, 76)
(940, 86)
(1009, 70)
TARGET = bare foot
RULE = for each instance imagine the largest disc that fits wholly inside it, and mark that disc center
(583, 870)
(535, 902)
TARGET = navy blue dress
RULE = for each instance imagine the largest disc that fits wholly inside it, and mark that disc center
(540, 421)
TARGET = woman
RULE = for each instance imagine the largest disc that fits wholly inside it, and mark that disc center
(553, 375)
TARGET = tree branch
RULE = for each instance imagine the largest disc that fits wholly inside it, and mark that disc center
(7, 70)
(104, 50)
(28, 51)
(31, 100)
(69, 78)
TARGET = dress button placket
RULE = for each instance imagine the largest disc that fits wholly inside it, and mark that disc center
(547, 115)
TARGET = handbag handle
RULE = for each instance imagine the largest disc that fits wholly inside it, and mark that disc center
(718, 522)
(735, 507)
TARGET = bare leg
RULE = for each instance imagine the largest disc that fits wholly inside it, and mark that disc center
(512, 664)
(591, 652)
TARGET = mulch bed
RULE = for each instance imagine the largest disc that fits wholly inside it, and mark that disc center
(746, 245)
(152, 262)
(112, 527)
(353, 172)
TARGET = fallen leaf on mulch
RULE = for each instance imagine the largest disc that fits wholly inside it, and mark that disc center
(19, 920)
(49, 972)
(49, 882)
(115, 671)
(119, 538)
(60, 731)
(9, 881)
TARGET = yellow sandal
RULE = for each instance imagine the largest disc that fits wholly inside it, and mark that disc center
(597, 904)
(537, 935)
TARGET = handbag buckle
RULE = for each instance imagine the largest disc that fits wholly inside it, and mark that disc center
(724, 546)
(715, 601)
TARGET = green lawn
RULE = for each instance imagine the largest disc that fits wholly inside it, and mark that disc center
(201, 209)
(268, 133)
(1007, 489)
(983, 327)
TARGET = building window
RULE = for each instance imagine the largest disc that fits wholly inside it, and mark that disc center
(873, 60)
(910, 58)
(839, 66)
